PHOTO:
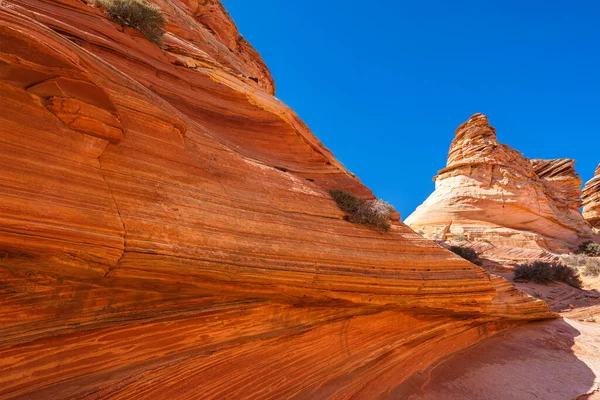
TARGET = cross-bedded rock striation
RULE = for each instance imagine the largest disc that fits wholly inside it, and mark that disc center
(167, 228)
(489, 193)
(591, 200)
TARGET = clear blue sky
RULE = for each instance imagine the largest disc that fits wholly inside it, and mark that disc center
(385, 83)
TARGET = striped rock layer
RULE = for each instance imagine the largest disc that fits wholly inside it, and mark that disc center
(591, 200)
(166, 228)
(489, 193)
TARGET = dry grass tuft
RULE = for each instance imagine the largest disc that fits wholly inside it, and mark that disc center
(138, 14)
(366, 212)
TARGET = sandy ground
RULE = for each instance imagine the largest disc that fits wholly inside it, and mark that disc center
(547, 360)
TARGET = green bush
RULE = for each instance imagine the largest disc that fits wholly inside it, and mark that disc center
(138, 14)
(466, 253)
(545, 272)
(590, 248)
(366, 212)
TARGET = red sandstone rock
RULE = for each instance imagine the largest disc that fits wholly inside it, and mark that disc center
(167, 229)
(550, 360)
(489, 193)
(591, 200)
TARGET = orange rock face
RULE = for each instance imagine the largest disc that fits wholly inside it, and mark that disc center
(490, 193)
(167, 229)
(591, 200)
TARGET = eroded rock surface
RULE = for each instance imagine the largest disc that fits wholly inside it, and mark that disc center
(550, 360)
(489, 193)
(591, 200)
(167, 230)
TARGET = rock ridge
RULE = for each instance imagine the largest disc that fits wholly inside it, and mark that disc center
(167, 229)
(591, 200)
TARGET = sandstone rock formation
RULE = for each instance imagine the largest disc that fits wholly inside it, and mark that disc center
(489, 193)
(517, 365)
(167, 230)
(591, 200)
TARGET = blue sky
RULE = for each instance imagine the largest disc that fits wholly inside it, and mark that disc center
(385, 83)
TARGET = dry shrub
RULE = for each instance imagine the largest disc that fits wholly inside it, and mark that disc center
(138, 14)
(466, 253)
(546, 272)
(345, 200)
(590, 248)
(593, 269)
(374, 212)
(366, 212)
(590, 265)
(574, 260)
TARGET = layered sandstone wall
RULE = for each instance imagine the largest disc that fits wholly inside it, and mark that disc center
(490, 193)
(167, 229)
(591, 200)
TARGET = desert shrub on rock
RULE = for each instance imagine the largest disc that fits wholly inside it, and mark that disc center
(590, 248)
(466, 253)
(345, 200)
(367, 212)
(374, 212)
(591, 265)
(137, 14)
(574, 260)
(592, 269)
(546, 272)
(568, 275)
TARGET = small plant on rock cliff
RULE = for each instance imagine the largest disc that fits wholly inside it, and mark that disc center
(590, 248)
(466, 253)
(367, 212)
(138, 14)
(546, 272)
(345, 200)
(374, 212)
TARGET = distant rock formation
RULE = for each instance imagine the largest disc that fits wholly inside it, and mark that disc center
(167, 231)
(490, 193)
(591, 200)
(563, 185)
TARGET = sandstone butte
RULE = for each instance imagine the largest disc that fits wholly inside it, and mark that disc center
(511, 207)
(591, 200)
(167, 230)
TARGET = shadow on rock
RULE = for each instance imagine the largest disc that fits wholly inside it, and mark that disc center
(547, 360)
